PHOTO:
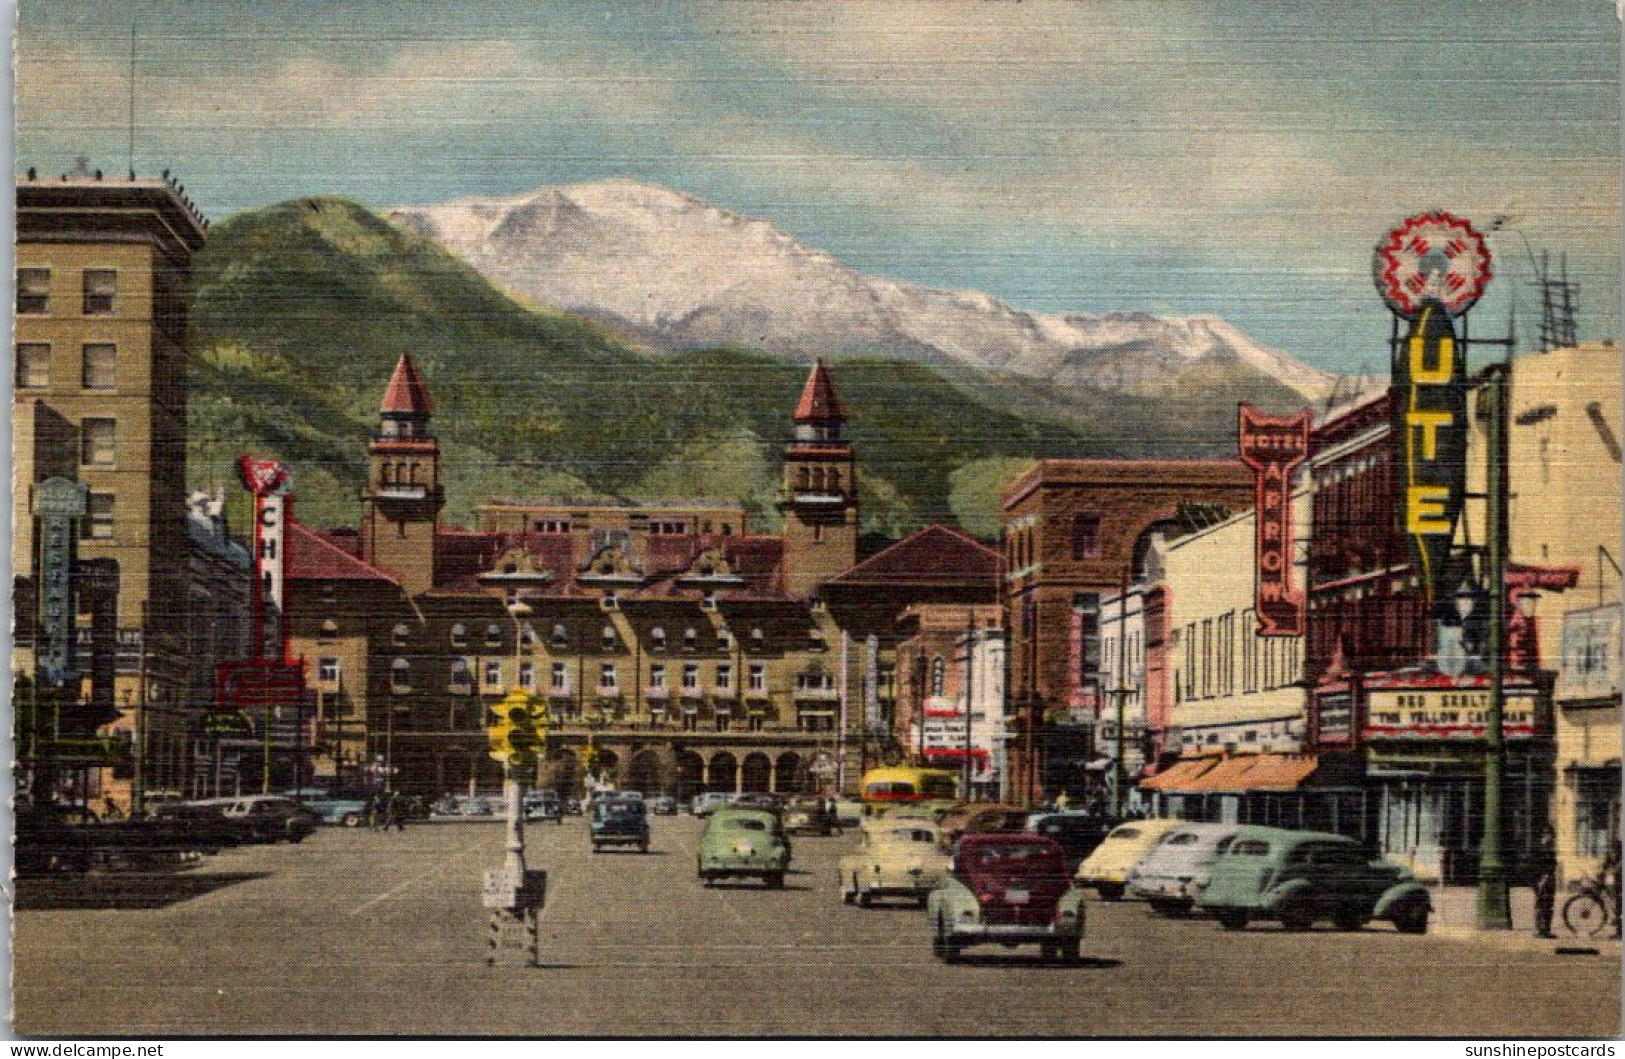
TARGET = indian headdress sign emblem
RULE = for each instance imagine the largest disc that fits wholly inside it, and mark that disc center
(1272, 446)
(1430, 270)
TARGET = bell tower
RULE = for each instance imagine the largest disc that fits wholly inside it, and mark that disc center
(820, 494)
(404, 497)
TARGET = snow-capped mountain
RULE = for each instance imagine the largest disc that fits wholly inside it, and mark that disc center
(675, 272)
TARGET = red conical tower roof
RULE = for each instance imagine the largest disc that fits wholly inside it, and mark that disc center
(406, 394)
(819, 403)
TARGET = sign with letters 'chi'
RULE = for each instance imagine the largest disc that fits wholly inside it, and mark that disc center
(1272, 446)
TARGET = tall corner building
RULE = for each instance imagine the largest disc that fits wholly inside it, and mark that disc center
(103, 285)
(820, 493)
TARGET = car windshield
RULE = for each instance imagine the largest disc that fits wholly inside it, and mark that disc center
(1124, 832)
(747, 824)
(619, 809)
(1249, 847)
(1182, 838)
(911, 835)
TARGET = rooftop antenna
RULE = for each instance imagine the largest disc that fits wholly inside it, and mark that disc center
(132, 92)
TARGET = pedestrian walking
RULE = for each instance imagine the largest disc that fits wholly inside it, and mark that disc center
(1545, 865)
(376, 812)
(397, 813)
(1062, 801)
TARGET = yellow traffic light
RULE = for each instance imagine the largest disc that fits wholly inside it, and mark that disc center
(514, 738)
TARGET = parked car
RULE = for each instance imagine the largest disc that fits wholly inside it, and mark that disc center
(343, 810)
(980, 817)
(806, 814)
(467, 806)
(663, 805)
(619, 822)
(1169, 876)
(757, 800)
(895, 858)
(848, 812)
(544, 805)
(263, 817)
(205, 822)
(1080, 834)
(1301, 877)
(51, 839)
(707, 803)
(743, 841)
(1010, 889)
(1107, 868)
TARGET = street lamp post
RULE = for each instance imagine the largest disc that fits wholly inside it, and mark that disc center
(1494, 901)
(513, 783)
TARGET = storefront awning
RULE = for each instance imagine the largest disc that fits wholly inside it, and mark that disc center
(1179, 775)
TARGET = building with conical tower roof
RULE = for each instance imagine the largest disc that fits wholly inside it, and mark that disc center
(820, 494)
(404, 496)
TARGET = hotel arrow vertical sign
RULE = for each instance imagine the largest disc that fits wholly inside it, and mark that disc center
(1272, 446)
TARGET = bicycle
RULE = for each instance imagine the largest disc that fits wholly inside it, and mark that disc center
(1593, 909)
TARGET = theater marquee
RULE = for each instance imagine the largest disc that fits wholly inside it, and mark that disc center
(1446, 713)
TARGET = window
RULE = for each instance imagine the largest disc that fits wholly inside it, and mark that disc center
(33, 291)
(610, 640)
(96, 442)
(560, 637)
(725, 640)
(460, 677)
(459, 635)
(551, 525)
(1085, 537)
(691, 677)
(527, 675)
(493, 635)
(1207, 657)
(758, 676)
(756, 637)
(657, 638)
(725, 677)
(493, 673)
(33, 365)
(400, 675)
(657, 675)
(939, 675)
(691, 639)
(607, 678)
(560, 678)
(327, 670)
(99, 523)
(400, 635)
(100, 286)
(99, 366)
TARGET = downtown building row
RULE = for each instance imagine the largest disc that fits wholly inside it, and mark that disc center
(677, 650)
(1360, 722)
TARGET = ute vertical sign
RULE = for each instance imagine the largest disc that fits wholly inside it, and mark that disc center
(1272, 446)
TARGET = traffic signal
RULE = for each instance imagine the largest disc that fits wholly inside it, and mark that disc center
(514, 738)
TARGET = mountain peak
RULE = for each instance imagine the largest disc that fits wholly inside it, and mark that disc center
(676, 272)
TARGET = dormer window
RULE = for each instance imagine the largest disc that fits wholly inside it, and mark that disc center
(459, 635)
(691, 639)
(510, 568)
(493, 635)
(657, 638)
(611, 641)
(330, 628)
(756, 636)
(560, 637)
(401, 634)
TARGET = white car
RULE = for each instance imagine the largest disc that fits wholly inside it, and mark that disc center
(1168, 877)
(896, 857)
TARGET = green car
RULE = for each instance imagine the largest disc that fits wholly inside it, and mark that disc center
(742, 841)
(1299, 877)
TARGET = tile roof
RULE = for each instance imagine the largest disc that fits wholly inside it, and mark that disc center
(406, 393)
(312, 556)
(936, 554)
(819, 403)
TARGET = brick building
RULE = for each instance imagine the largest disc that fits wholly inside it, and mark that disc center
(1075, 531)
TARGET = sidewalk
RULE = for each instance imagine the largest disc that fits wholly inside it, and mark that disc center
(1455, 915)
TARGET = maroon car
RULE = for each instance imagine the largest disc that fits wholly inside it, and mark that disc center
(1009, 888)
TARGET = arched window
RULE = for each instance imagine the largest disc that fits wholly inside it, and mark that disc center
(461, 680)
(939, 674)
(560, 637)
(835, 479)
(691, 639)
(400, 473)
(400, 635)
(493, 635)
(803, 478)
(818, 479)
(459, 635)
(611, 641)
(657, 637)
(756, 635)
(412, 474)
(400, 675)
(384, 477)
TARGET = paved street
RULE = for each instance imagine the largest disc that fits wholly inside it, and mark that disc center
(357, 932)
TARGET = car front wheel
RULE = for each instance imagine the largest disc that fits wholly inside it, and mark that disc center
(1413, 919)
(1231, 920)
(351, 820)
(1111, 891)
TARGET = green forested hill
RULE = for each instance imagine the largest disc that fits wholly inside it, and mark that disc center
(301, 310)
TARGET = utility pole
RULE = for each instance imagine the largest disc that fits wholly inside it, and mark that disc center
(138, 793)
(1494, 905)
(970, 669)
(1120, 695)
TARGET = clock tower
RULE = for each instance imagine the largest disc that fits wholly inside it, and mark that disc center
(404, 496)
(820, 494)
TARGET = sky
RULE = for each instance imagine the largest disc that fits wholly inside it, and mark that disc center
(1232, 159)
